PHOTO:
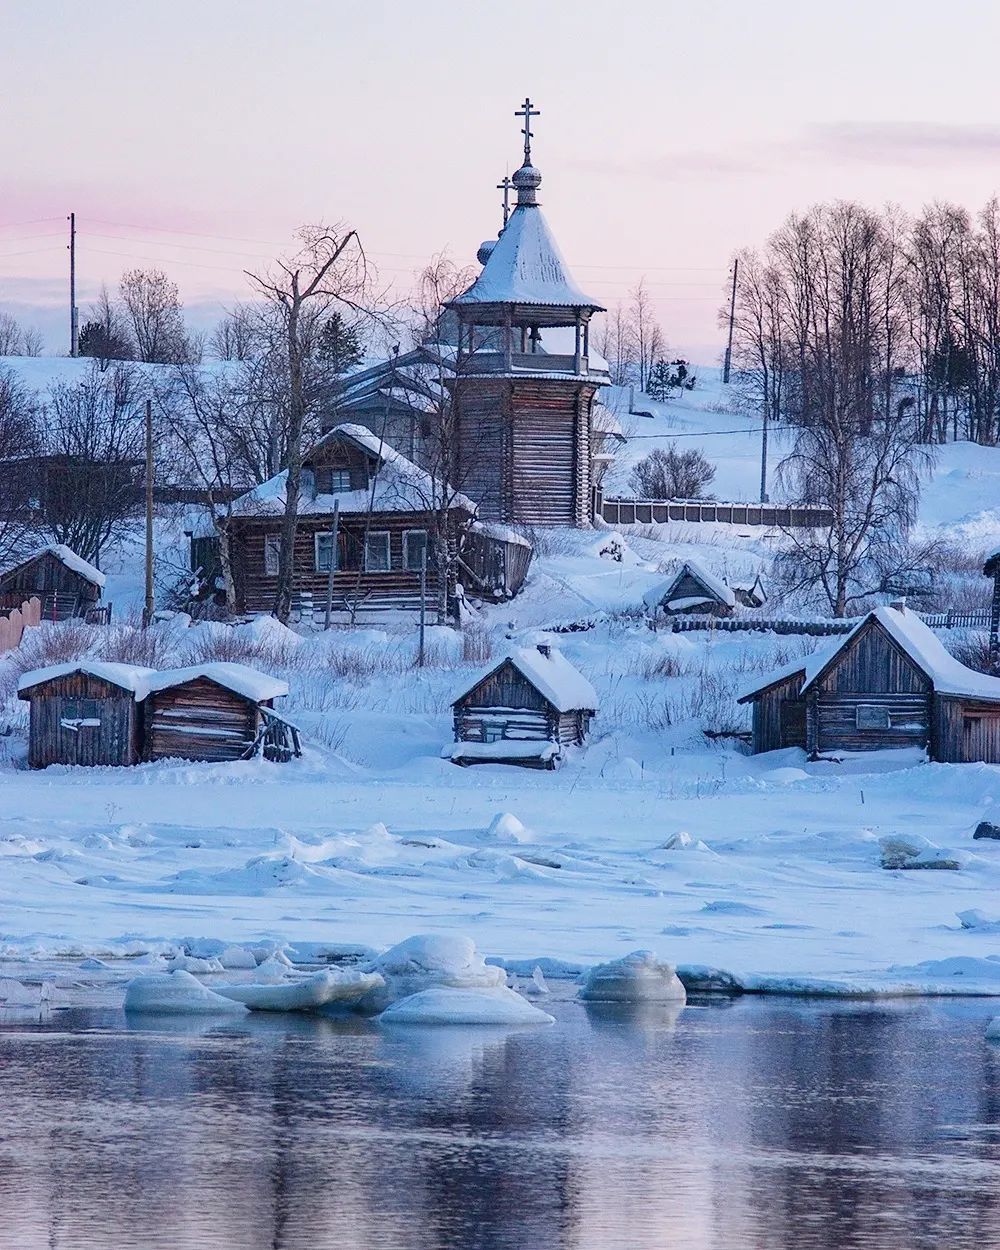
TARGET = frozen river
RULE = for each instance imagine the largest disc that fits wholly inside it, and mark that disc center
(758, 1123)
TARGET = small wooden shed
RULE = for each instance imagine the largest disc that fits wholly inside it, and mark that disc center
(85, 712)
(524, 710)
(889, 683)
(66, 584)
(693, 590)
(217, 712)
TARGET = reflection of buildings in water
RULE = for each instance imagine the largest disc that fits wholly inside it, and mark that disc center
(760, 1124)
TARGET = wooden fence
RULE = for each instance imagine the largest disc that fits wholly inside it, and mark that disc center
(979, 618)
(657, 511)
(15, 621)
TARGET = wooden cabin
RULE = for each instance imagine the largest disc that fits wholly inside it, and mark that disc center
(889, 683)
(694, 590)
(525, 710)
(85, 712)
(65, 584)
(216, 712)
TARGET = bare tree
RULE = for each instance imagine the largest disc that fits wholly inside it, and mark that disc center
(667, 473)
(328, 271)
(440, 281)
(646, 333)
(105, 334)
(94, 437)
(153, 309)
(10, 335)
(235, 337)
(20, 438)
(616, 343)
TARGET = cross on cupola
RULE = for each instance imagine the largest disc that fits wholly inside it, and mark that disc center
(527, 112)
(505, 187)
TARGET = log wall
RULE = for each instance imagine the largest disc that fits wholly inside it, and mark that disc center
(200, 720)
(966, 731)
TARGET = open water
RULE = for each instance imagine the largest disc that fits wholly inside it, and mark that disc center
(756, 1123)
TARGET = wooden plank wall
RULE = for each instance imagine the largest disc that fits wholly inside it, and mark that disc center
(506, 688)
(48, 574)
(116, 741)
(199, 720)
(966, 731)
(774, 728)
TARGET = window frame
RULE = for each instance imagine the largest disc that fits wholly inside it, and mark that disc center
(369, 537)
(272, 554)
(407, 567)
(883, 712)
(343, 472)
(318, 566)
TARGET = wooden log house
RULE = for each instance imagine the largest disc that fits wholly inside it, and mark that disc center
(216, 712)
(525, 710)
(85, 712)
(387, 509)
(889, 683)
(65, 584)
(523, 412)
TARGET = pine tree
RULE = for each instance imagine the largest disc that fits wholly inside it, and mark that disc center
(340, 344)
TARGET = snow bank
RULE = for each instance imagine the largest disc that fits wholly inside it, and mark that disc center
(978, 920)
(342, 985)
(506, 828)
(192, 963)
(237, 958)
(445, 1005)
(429, 961)
(993, 1029)
(177, 993)
(638, 978)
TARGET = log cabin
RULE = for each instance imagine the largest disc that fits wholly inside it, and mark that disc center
(889, 683)
(525, 710)
(388, 511)
(693, 590)
(216, 712)
(65, 584)
(85, 712)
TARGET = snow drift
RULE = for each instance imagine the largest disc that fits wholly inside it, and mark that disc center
(637, 978)
(177, 993)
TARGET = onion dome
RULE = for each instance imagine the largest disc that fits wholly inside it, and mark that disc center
(526, 181)
(485, 250)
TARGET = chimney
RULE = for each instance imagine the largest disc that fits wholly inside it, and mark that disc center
(899, 604)
(545, 648)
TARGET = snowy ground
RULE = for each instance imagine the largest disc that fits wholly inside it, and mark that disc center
(372, 837)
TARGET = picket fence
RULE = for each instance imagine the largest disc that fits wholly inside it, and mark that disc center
(978, 618)
(15, 621)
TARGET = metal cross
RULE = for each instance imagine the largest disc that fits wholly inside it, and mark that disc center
(505, 187)
(527, 112)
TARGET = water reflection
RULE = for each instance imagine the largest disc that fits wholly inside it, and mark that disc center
(756, 1124)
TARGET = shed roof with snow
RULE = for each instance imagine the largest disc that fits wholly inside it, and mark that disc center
(130, 677)
(237, 678)
(68, 558)
(692, 584)
(549, 672)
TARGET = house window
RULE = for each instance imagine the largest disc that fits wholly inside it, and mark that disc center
(377, 553)
(322, 547)
(272, 554)
(870, 716)
(333, 481)
(414, 548)
(492, 732)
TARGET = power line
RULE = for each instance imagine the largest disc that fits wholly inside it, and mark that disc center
(14, 225)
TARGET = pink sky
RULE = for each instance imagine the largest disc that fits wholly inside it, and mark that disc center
(196, 136)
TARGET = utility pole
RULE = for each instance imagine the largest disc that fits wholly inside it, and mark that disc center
(73, 338)
(732, 320)
(763, 456)
(423, 604)
(147, 612)
(333, 563)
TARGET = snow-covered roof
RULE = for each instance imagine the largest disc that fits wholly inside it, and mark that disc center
(526, 267)
(502, 533)
(552, 675)
(67, 556)
(129, 677)
(399, 486)
(714, 585)
(242, 680)
(947, 675)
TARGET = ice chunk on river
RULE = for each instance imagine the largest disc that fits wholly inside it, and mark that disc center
(177, 993)
(342, 985)
(427, 961)
(445, 1005)
(638, 978)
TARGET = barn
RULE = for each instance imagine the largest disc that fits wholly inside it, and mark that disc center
(85, 712)
(64, 583)
(693, 589)
(524, 710)
(889, 683)
(217, 712)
